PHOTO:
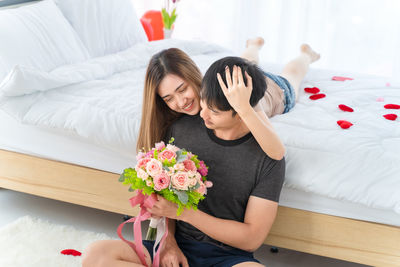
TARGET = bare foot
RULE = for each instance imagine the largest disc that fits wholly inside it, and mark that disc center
(306, 49)
(255, 42)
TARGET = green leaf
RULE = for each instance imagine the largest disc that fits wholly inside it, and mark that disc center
(196, 186)
(131, 189)
(165, 167)
(122, 178)
(180, 157)
(182, 196)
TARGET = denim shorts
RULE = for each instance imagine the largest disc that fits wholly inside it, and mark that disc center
(290, 96)
(203, 254)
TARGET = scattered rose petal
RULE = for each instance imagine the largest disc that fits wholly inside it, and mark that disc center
(388, 85)
(345, 108)
(392, 106)
(380, 99)
(340, 78)
(312, 90)
(344, 124)
(72, 252)
(317, 96)
(391, 117)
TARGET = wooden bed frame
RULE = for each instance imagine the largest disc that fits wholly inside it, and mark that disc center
(341, 238)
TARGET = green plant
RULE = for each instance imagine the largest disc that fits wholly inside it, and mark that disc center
(168, 19)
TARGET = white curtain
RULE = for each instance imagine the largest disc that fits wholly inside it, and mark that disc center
(351, 35)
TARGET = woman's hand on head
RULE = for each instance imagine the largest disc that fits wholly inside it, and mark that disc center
(235, 90)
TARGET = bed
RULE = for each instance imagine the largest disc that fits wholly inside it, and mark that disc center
(61, 119)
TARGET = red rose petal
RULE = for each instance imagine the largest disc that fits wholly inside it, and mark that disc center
(392, 106)
(345, 108)
(344, 124)
(340, 78)
(312, 90)
(317, 96)
(391, 117)
(72, 252)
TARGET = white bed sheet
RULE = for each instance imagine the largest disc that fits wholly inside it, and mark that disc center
(71, 148)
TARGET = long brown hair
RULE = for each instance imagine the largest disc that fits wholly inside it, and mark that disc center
(156, 115)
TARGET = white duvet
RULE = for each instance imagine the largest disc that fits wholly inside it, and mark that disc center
(100, 100)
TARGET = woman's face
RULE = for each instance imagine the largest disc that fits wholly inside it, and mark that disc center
(179, 95)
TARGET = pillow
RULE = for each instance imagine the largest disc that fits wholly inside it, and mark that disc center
(37, 36)
(104, 26)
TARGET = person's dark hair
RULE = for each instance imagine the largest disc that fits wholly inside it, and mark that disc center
(211, 91)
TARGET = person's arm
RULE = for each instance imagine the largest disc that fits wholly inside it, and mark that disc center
(249, 235)
(238, 96)
(171, 254)
(263, 131)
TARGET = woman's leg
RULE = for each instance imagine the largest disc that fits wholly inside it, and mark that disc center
(253, 47)
(116, 253)
(296, 69)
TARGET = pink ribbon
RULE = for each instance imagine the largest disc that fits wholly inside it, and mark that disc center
(145, 202)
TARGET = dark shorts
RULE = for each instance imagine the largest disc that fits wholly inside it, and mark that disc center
(202, 254)
(290, 96)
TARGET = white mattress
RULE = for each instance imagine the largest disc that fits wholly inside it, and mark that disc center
(69, 147)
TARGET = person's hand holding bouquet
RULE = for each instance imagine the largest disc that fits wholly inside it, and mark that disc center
(168, 179)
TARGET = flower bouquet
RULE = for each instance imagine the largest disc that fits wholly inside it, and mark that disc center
(174, 173)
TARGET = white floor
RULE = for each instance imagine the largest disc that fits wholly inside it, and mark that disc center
(14, 205)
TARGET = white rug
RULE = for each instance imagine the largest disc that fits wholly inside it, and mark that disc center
(38, 243)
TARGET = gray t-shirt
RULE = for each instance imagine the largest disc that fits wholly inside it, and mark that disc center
(238, 169)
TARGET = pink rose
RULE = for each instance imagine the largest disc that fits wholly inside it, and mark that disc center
(140, 155)
(203, 169)
(167, 154)
(179, 167)
(192, 182)
(172, 148)
(208, 184)
(160, 146)
(142, 162)
(202, 189)
(150, 154)
(198, 177)
(180, 181)
(153, 167)
(189, 165)
(141, 174)
(149, 183)
(161, 181)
